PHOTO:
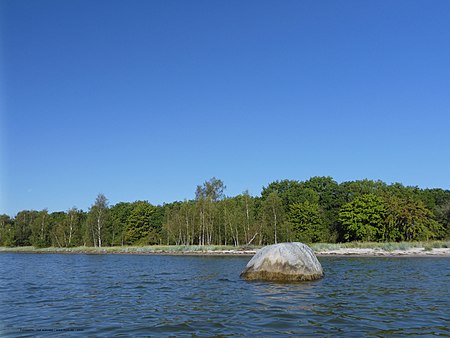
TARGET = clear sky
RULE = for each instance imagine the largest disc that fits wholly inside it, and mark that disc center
(144, 100)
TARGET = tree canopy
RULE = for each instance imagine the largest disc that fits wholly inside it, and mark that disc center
(315, 210)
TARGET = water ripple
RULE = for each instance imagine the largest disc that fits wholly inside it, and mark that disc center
(122, 295)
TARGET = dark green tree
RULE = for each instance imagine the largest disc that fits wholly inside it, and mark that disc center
(56, 221)
(139, 228)
(331, 199)
(351, 190)
(22, 227)
(119, 215)
(363, 218)
(6, 231)
(289, 191)
(306, 223)
(407, 218)
(443, 218)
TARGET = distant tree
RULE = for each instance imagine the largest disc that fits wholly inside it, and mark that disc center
(72, 233)
(328, 190)
(98, 219)
(408, 219)
(22, 227)
(289, 192)
(40, 230)
(331, 199)
(156, 222)
(6, 231)
(306, 222)
(56, 222)
(207, 196)
(178, 225)
(401, 191)
(66, 229)
(119, 215)
(438, 202)
(363, 218)
(318, 209)
(233, 221)
(273, 216)
(213, 189)
(391, 229)
(353, 189)
(443, 218)
(248, 208)
(139, 228)
(420, 224)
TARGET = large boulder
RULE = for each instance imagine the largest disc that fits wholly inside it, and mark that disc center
(284, 262)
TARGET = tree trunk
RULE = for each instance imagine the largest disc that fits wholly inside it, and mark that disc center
(248, 220)
(275, 223)
(57, 241)
(254, 236)
(99, 233)
(94, 241)
(70, 229)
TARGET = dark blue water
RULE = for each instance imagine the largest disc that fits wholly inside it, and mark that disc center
(139, 296)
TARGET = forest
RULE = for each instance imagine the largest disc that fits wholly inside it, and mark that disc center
(315, 210)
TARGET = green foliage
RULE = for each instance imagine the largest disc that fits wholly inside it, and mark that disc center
(6, 231)
(22, 227)
(443, 218)
(119, 214)
(306, 223)
(207, 197)
(408, 219)
(318, 209)
(362, 219)
(354, 189)
(40, 227)
(139, 228)
(275, 229)
(98, 219)
(211, 190)
(289, 191)
(66, 228)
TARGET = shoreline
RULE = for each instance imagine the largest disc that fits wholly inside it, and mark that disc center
(339, 252)
(362, 252)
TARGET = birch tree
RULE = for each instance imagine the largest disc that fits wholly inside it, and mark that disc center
(273, 215)
(98, 217)
(207, 196)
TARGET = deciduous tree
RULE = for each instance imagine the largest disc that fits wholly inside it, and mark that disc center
(98, 218)
(305, 221)
(363, 218)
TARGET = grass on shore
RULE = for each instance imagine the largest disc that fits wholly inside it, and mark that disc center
(131, 249)
(385, 246)
(174, 249)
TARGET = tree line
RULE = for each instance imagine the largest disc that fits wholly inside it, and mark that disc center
(316, 210)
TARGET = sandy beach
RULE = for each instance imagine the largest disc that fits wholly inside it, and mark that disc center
(357, 252)
(413, 252)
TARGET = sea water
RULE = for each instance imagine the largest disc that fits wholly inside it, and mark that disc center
(150, 295)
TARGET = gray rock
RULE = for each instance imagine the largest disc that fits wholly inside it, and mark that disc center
(284, 262)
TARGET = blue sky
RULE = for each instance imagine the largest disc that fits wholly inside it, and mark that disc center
(144, 100)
